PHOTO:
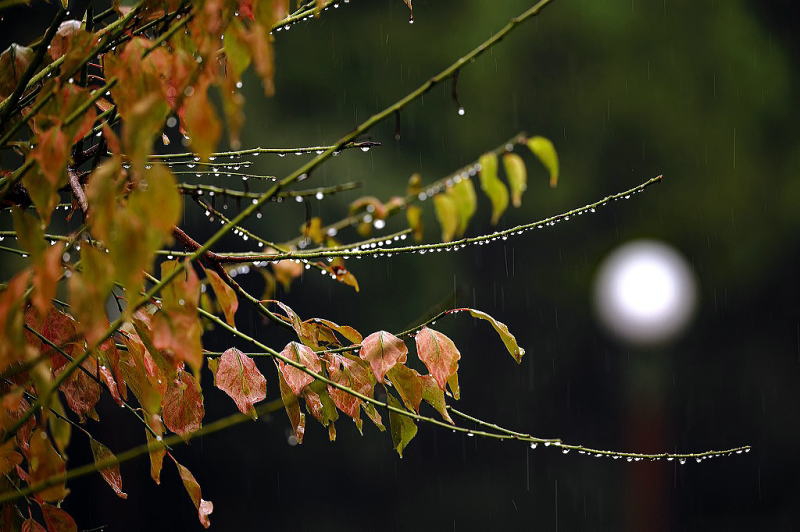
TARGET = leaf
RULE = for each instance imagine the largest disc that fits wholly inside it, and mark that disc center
(58, 520)
(201, 122)
(29, 232)
(292, 406)
(296, 378)
(177, 328)
(238, 376)
(110, 474)
(463, 194)
(345, 330)
(9, 457)
(509, 340)
(320, 405)
(226, 297)
(414, 217)
(517, 176)
(60, 429)
(434, 396)
(408, 384)
(452, 383)
(383, 350)
(44, 462)
(355, 374)
(373, 415)
(81, 391)
(546, 152)
(492, 186)
(182, 405)
(410, 9)
(403, 428)
(46, 273)
(204, 507)
(141, 374)
(31, 525)
(439, 354)
(287, 271)
(13, 62)
(447, 215)
(157, 455)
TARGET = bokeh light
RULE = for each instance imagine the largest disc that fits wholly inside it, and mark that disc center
(645, 292)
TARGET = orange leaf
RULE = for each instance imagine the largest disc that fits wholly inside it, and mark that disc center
(183, 409)
(226, 297)
(438, 353)
(110, 474)
(238, 376)
(383, 350)
(204, 507)
(296, 378)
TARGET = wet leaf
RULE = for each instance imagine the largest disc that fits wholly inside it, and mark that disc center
(447, 215)
(31, 525)
(452, 383)
(345, 330)
(403, 428)
(13, 62)
(226, 297)
(463, 194)
(414, 218)
(492, 186)
(383, 350)
(355, 374)
(81, 391)
(58, 520)
(204, 507)
(43, 463)
(157, 455)
(439, 354)
(238, 376)
(408, 384)
(509, 340)
(296, 378)
(517, 176)
(177, 329)
(182, 407)
(110, 474)
(546, 152)
(434, 396)
(9, 457)
(290, 403)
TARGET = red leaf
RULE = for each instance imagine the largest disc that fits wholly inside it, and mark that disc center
(296, 417)
(383, 350)
(296, 378)
(183, 409)
(46, 273)
(110, 474)
(438, 353)
(81, 391)
(204, 507)
(226, 297)
(31, 525)
(9, 457)
(58, 520)
(355, 374)
(238, 376)
(13, 63)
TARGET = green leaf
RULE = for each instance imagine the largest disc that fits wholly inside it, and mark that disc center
(434, 396)
(447, 214)
(13, 63)
(517, 176)
(403, 428)
(452, 383)
(296, 417)
(408, 384)
(492, 186)
(509, 340)
(463, 193)
(544, 150)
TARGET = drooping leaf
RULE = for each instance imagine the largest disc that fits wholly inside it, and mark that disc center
(403, 428)
(13, 348)
(177, 328)
(414, 217)
(509, 340)
(320, 405)
(296, 378)
(201, 122)
(492, 186)
(373, 415)
(238, 376)
(58, 520)
(546, 152)
(447, 215)
(408, 384)
(81, 391)
(182, 407)
(383, 350)
(434, 396)
(355, 374)
(290, 403)
(60, 429)
(156, 455)
(439, 354)
(141, 374)
(226, 297)
(13, 62)
(43, 463)
(463, 194)
(517, 176)
(110, 474)
(31, 525)
(455, 389)
(204, 507)
(9, 457)
(345, 330)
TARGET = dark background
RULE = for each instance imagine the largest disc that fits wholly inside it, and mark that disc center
(702, 92)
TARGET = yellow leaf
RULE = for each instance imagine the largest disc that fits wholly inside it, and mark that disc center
(492, 186)
(463, 193)
(447, 214)
(517, 176)
(544, 150)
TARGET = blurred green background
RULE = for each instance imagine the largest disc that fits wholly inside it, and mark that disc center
(702, 92)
